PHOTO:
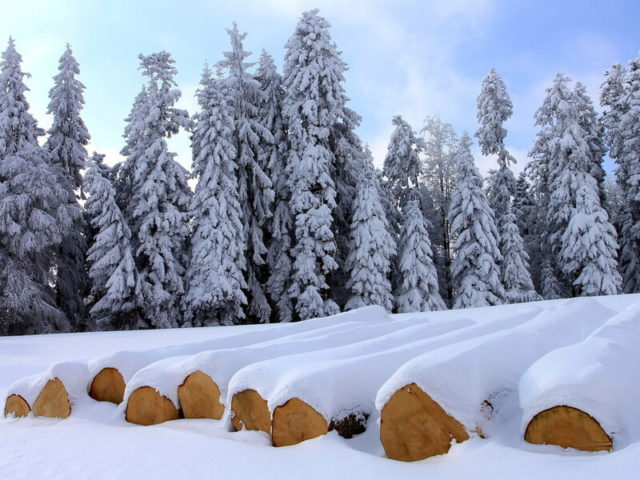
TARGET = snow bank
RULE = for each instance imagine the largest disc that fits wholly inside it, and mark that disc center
(344, 380)
(463, 375)
(600, 376)
(73, 375)
(129, 362)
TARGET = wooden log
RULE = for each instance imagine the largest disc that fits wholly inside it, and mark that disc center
(295, 422)
(146, 406)
(16, 406)
(250, 411)
(199, 397)
(413, 426)
(108, 386)
(567, 427)
(53, 401)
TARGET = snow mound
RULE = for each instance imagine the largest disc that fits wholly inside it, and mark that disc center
(345, 379)
(600, 376)
(486, 369)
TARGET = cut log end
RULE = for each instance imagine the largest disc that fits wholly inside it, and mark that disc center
(108, 386)
(16, 406)
(250, 411)
(568, 427)
(146, 406)
(53, 401)
(200, 397)
(295, 422)
(413, 426)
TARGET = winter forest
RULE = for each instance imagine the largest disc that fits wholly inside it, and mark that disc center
(283, 216)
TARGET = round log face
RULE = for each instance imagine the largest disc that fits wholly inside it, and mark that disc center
(250, 411)
(53, 401)
(16, 406)
(200, 397)
(147, 407)
(295, 422)
(413, 426)
(108, 386)
(567, 427)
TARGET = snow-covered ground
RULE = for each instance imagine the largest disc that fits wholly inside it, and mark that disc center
(96, 442)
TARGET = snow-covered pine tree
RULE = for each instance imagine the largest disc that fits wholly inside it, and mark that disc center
(526, 216)
(154, 193)
(402, 167)
(215, 277)
(594, 136)
(116, 286)
(474, 270)
(621, 97)
(279, 262)
(313, 106)
(440, 176)
(574, 196)
(418, 289)
(589, 244)
(373, 247)
(495, 108)
(68, 137)
(255, 188)
(34, 213)
(514, 269)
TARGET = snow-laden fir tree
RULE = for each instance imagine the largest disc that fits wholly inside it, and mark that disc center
(251, 139)
(574, 196)
(116, 286)
(495, 108)
(34, 213)
(526, 216)
(68, 137)
(372, 246)
(279, 262)
(215, 277)
(312, 106)
(514, 269)
(402, 166)
(440, 176)
(418, 289)
(621, 98)
(154, 192)
(589, 245)
(474, 270)
(593, 129)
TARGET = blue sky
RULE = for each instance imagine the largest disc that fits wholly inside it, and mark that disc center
(409, 57)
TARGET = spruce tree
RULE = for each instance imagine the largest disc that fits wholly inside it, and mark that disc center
(116, 287)
(402, 166)
(574, 210)
(279, 261)
(34, 213)
(372, 246)
(154, 192)
(475, 271)
(514, 270)
(215, 277)
(621, 96)
(68, 137)
(418, 289)
(252, 140)
(312, 106)
(494, 108)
